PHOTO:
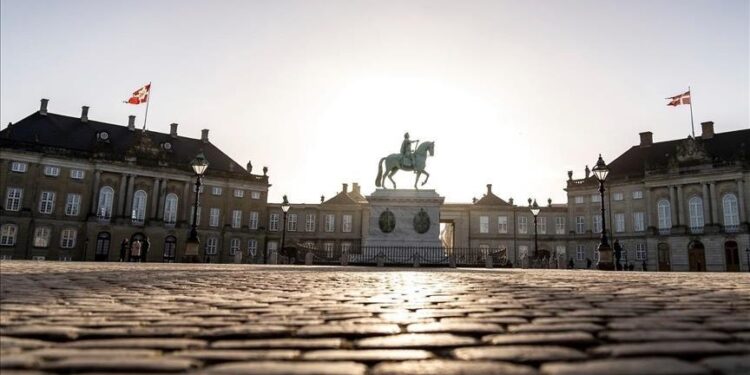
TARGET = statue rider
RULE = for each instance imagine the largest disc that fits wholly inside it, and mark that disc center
(407, 158)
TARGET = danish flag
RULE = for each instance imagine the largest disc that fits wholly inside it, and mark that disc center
(140, 95)
(679, 99)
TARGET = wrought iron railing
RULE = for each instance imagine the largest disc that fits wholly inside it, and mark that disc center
(404, 255)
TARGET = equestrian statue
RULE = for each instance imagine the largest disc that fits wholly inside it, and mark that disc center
(406, 160)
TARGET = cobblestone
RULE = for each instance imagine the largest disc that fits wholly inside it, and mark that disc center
(58, 317)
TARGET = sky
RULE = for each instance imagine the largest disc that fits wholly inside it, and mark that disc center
(513, 93)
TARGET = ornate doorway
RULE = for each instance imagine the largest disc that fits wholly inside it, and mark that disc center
(696, 256)
(663, 253)
(732, 256)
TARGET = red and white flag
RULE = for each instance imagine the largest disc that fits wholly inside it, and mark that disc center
(140, 95)
(679, 99)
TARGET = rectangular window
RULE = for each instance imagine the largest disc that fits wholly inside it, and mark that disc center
(541, 224)
(236, 220)
(13, 199)
(523, 224)
(560, 251)
(580, 252)
(310, 222)
(619, 222)
(8, 234)
(640, 251)
(239, 193)
(596, 221)
(197, 215)
(596, 198)
(68, 238)
(216, 190)
(234, 246)
(346, 247)
(212, 245)
(502, 224)
(560, 225)
(273, 223)
(638, 194)
(618, 196)
(252, 247)
(580, 224)
(73, 205)
(638, 222)
(77, 174)
(523, 251)
(484, 224)
(47, 202)
(346, 224)
(330, 223)
(272, 247)
(578, 199)
(328, 248)
(213, 217)
(41, 236)
(254, 195)
(253, 220)
(50, 170)
(484, 249)
(291, 223)
(18, 166)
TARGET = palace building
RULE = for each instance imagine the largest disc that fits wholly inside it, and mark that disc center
(74, 188)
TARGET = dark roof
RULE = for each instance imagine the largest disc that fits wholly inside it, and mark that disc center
(722, 149)
(490, 199)
(341, 198)
(69, 136)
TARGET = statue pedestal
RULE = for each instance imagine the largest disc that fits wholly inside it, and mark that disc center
(404, 226)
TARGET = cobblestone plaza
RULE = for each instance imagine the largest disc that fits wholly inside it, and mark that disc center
(70, 317)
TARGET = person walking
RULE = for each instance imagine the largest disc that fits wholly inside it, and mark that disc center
(145, 246)
(124, 250)
(135, 251)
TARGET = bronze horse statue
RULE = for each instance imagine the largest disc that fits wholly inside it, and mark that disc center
(393, 164)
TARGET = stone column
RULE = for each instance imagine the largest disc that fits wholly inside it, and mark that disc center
(707, 217)
(162, 197)
(681, 203)
(673, 203)
(741, 200)
(121, 195)
(714, 203)
(129, 198)
(95, 192)
(154, 198)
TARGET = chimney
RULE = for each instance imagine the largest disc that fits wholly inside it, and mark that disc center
(204, 135)
(355, 187)
(173, 130)
(647, 139)
(131, 122)
(85, 113)
(489, 189)
(249, 167)
(43, 107)
(708, 129)
(345, 188)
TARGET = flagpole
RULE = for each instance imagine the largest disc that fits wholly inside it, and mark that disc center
(148, 101)
(692, 125)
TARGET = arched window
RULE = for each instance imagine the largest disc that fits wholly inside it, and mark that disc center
(170, 245)
(170, 208)
(139, 206)
(695, 208)
(8, 234)
(664, 211)
(731, 213)
(106, 197)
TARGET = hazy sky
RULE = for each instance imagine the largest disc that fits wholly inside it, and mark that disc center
(514, 93)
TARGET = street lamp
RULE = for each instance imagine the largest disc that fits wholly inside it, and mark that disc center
(605, 251)
(285, 206)
(199, 165)
(535, 211)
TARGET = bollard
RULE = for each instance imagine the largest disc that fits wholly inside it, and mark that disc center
(381, 261)
(488, 262)
(273, 259)
(452, 261)
(309, 258)
(344, 259)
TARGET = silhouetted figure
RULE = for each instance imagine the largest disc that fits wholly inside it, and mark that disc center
(643, 265)
(588, 263)
(571, 264)
(135, 251)
(618, 255)
(144, 249)
(124, 247)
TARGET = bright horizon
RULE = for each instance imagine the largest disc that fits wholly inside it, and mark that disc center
(513, 93)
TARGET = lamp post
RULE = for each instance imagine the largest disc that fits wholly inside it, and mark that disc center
(199, 165)
(605, 251)
(535, 211)
(285, 206)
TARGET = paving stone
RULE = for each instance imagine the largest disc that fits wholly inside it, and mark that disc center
(226, 355)
(18, 361)
(448, 367)
(555, 327)
(658, 335)
(551, 338)
(468, 328)
(728, 365)
(15, 342)
(54, 333)
(58, 353)
(368, 355)
(246, 331)
(681, 349)
(139, 343)
(285, 343)
(349, 330)
(147, 364)
(415, 340)
(288, 368)
(519, 353)
(635, 366)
